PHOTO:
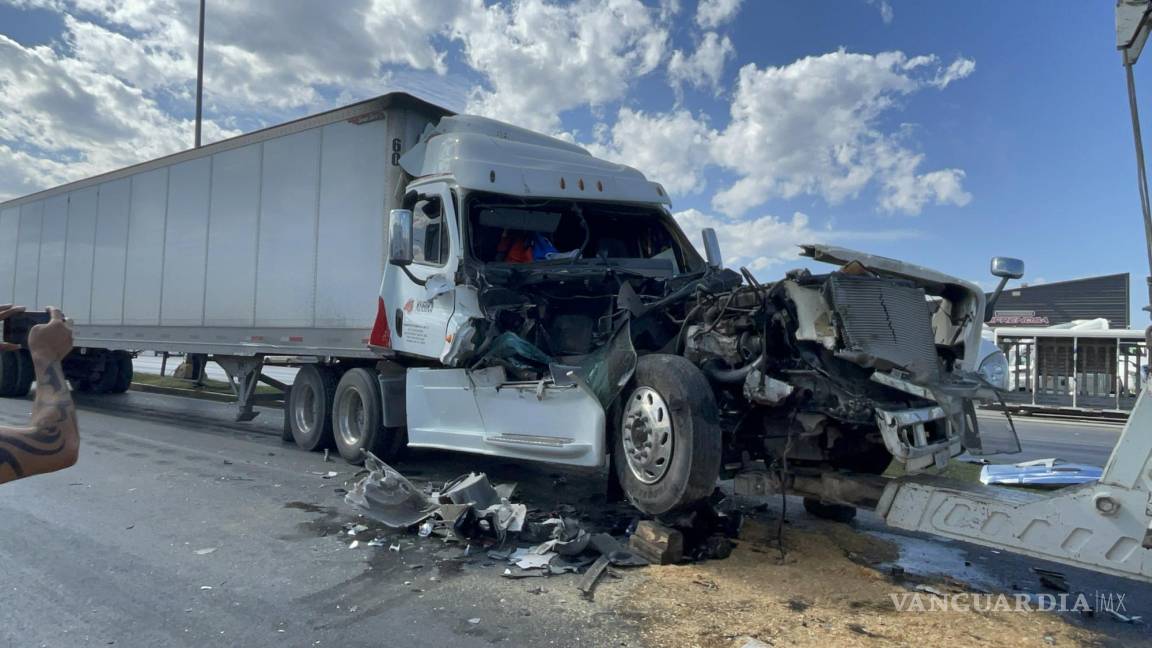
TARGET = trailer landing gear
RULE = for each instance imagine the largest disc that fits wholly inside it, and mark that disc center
(244, 373)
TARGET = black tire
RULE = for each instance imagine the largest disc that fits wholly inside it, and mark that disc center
(834, 512)
(109, 376)
(9, 373)
(357, 419)
(122, 360)
(310, 407)
(692, 458)
(25, 373)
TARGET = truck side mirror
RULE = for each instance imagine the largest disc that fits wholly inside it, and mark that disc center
(1006, 268)
(712, 247)
(400, 237)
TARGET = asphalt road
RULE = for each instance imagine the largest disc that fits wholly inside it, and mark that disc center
(114, 551)
(178, 527)
(1042, 438)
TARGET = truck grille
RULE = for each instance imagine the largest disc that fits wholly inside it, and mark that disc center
(885, 324)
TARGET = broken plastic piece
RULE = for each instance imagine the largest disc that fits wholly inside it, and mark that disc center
(472, 488)
(385, 495)
(535, 560)
(587, 584)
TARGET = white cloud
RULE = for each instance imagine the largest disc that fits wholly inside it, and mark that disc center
(959, 69)
(704, 67)
(541, 59)
(61, 118)
(710, 14)
(670, 148)
(885, 7)
(813, 127)
(766, 241)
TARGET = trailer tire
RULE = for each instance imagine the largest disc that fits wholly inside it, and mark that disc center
(310, 407)
(25, 373)
(109, 376)
(667, 442)
(122, 361)
(357, 419)
(9, 368)
(834, 512)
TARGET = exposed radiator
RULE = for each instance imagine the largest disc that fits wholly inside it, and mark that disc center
(885, 323)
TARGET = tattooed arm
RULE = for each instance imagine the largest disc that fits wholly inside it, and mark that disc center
(52, 441)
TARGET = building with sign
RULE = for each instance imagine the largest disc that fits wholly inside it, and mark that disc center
(1069, 347)
(1062, 302)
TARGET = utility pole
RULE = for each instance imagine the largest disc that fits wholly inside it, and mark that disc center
(200, 76)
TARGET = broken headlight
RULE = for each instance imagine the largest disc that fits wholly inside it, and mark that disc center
(994, 369)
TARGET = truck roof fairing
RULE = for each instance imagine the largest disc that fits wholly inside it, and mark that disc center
(488, 155)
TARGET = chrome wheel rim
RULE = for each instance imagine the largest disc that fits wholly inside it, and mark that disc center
(646, 431)
(305, 413)
(350, 418)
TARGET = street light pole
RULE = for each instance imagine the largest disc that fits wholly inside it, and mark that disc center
(200, 76)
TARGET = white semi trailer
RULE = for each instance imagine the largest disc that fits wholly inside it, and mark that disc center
(455, 282)
(272, 243)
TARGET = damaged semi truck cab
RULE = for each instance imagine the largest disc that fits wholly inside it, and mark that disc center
(543, 304)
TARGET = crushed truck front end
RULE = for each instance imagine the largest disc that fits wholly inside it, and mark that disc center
(567, 279)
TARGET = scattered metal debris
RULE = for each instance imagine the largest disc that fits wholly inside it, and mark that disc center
(473, 489)
(385, 495)
(587, 584)
(1041, 473)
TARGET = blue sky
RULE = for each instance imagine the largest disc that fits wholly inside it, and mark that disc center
(942, 133)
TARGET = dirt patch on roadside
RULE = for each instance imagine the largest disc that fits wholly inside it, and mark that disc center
(825, 593)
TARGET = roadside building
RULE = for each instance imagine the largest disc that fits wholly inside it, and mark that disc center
(1069, 345)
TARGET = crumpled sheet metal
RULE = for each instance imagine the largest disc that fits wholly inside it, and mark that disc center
(388, 497)
(472, 488)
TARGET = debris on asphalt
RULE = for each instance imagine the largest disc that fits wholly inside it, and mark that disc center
(204, 552)
(473, 489)
(1040, 473)
(354, 544)
(657, 543)
(1123, 618)
(587, 584)
(529, 559)
(386, 496)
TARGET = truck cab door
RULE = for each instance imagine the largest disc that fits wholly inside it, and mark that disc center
(418, 315)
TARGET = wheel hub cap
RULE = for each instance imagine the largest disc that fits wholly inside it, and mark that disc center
(647, 435)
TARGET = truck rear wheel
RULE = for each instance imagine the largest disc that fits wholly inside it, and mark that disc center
(16, 373)
(9, 368)
(667, 443)
(122, 361)
(310, 407)
(25, 373)
(357, 419)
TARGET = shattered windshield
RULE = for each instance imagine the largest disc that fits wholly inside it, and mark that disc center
(508, 230)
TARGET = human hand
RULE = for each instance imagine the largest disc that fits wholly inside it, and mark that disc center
(6, 311)
(52, 341)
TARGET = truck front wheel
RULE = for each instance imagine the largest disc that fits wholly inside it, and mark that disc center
(310, 407)
(357, 423)
(667, 442)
